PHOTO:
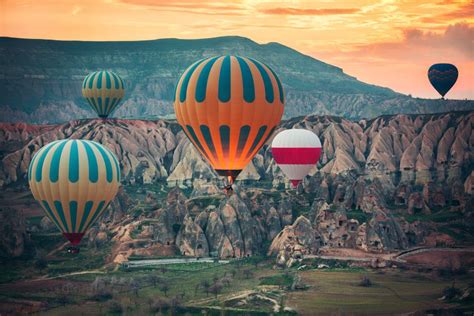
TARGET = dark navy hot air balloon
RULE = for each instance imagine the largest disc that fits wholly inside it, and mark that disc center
(443, 77)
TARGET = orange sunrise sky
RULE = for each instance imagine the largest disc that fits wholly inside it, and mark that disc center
(383, 42)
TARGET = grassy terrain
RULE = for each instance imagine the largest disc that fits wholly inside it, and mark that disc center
(183, 281)
(392, 292)
(334, 290)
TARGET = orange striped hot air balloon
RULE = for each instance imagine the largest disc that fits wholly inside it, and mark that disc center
(229, 106)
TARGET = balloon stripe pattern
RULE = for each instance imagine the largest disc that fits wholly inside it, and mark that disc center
(103, 90)
(229, 106)
(74, 181)
(443, 77)
(296, 151)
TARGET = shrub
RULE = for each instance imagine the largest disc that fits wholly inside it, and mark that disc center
(102, 296)
(451, 292)
(115, 307)
(248, 273)
(282, 280)
(159, 305)
(164, 287)
(41, 263)
(215, 289)
(365, 282)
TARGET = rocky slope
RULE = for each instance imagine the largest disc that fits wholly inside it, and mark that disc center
(40, 80)
(381, 185)
(419, 147)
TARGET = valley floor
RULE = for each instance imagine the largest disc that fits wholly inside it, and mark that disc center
(248, 287)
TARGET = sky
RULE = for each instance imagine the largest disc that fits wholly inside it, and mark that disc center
(384, 42)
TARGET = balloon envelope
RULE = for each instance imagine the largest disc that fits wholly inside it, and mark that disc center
(296, 151)
(74, 181)
(228, 106)
(443, 77)
(103, 91)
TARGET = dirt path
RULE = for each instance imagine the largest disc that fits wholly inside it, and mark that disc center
(232, 296)
(351, 255)
(418, 250)
(361, 256)
(206, 300)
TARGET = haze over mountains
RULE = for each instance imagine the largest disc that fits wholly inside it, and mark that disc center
(40, 80)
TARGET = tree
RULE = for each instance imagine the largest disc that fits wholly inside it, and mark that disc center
(115, 307)
(215, 289)
(100, 290)
(248, 273)
(115, 284)
(123, 282)
(227, 280)
(41, 263)
(153, 279)
(64, 295)
(134, 286)
(205, 285)
(175, 303)
(366, 282)
(159, 305)
(451, 292)
(62, 299)
(164, 287)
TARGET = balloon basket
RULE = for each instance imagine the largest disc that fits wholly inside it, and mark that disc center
(228, 190)
(73, 250)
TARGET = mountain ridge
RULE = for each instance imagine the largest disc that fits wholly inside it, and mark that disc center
(40, 80)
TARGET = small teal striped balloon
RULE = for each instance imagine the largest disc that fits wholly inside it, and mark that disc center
(103, 90)
(74, 181)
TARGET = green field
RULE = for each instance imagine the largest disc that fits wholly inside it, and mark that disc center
(326, 291)
(391, 292)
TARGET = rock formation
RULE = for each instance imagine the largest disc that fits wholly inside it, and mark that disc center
(294, 242)
(13, 235)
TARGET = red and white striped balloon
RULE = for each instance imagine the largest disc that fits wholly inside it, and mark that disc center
(296, 151)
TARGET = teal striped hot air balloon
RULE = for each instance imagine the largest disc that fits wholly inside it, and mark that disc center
(74, 182)
(103, 91)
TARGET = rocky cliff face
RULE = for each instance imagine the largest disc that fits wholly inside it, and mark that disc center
(13, 234)
(423, 148)
(376, 183)
(40, 81)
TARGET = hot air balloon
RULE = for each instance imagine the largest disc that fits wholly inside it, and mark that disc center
(443, 77)
(74, 182)
(103, 91)
(229, 106)
(296, 151)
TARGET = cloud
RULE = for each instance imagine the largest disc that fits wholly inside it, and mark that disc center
(457, 39)
(298, 11)
(402, 65)
(76, 9)
(190, 6)
(463, 11)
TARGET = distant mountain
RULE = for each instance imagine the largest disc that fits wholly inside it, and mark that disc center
(40, 80)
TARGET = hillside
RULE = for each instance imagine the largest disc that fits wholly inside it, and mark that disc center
(384, 184)
(40, 80)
